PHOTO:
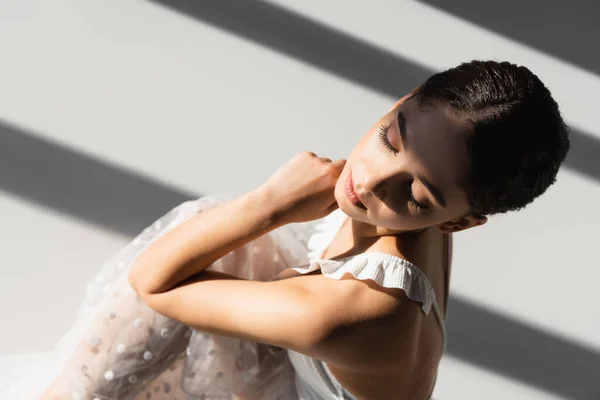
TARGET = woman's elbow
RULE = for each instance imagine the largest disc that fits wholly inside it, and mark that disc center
(136, 280)
(144, 282)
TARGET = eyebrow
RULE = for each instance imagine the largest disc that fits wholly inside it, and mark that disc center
(437, 193)
(402, 126)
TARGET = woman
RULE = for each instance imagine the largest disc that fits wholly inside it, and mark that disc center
(247, 298)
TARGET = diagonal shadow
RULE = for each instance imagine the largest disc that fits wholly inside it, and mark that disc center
(477, 335)
(86, 188)
(81, 186)
(524, 353)
(346, 57)
(566, 30)
(54, 176)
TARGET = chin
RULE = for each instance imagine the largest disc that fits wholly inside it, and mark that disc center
(351, 210)
(346, 210)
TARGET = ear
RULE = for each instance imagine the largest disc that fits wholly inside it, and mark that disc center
(402, 100)
(463, 223)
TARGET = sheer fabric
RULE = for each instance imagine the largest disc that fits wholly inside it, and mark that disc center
(121, 349)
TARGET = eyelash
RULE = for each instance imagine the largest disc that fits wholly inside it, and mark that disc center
(386, 143)
(421, 209)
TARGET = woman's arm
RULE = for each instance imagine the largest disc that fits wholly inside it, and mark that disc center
(301, 190)
(193, 246)
(170, 275)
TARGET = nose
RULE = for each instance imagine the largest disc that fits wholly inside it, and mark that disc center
(371, 183)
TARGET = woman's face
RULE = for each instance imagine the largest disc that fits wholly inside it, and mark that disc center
(405, 170)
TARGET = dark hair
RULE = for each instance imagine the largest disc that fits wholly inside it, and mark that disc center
(516, 137)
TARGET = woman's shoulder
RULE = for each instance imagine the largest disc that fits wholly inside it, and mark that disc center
(358, 310)
(374, 335)
(387, 338)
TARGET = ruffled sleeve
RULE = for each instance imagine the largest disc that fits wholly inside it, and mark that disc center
(385, 269)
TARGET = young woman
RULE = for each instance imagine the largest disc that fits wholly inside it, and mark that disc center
(259, 297)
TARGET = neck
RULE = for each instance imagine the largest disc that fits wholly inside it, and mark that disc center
(364, 231)
(356, 237)
(365, 236)
(361, 236)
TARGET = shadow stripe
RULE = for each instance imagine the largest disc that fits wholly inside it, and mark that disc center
(342, 55)
(87, 188)
(483, 337)
(566, 30)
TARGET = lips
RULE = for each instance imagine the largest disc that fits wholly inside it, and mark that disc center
(352, 196)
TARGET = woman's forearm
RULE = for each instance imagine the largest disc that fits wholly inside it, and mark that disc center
(193, 246)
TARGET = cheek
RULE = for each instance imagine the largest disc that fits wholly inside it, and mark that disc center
(366, 149)
(367, 139)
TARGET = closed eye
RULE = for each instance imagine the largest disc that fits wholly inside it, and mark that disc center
(420, 207)
(383, 131)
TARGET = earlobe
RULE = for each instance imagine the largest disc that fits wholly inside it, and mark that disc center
(481, 219)
(463, 223)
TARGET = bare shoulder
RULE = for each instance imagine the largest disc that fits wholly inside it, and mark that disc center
(364, 320)
(375, 335)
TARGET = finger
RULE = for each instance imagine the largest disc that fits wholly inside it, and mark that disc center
(325, 159)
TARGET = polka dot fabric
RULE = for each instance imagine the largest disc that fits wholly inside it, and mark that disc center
(120, 349)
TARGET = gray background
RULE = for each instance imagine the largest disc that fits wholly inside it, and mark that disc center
(114, 111)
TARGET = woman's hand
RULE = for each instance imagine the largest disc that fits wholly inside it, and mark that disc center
(303, 188)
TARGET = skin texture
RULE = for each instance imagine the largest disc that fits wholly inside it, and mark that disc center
(432, 147)
(376, 341)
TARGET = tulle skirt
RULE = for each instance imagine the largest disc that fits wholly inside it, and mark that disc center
(121, 349)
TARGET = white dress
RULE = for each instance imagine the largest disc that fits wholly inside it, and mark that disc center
(120, 349)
